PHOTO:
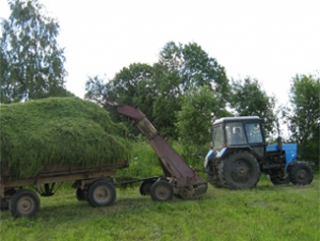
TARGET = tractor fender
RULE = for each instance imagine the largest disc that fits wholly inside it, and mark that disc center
(289, 164)
(225, 151)
(208, 157)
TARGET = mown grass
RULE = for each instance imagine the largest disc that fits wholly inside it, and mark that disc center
(53, 131)
(266, 212)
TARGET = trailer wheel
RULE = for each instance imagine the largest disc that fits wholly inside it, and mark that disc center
(4, 202)
(24, 203)
(81, 194)
(240, 170)
(101, 193)
(145, 187)
(161, 191)
(300, 173)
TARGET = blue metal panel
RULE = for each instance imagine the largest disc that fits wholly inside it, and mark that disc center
(208, 157)
(209, 154)
(291, 151)
(220, 153)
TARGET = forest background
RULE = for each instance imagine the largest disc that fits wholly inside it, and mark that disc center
(181, 94)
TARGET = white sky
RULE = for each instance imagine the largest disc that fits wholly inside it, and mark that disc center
(271, 41)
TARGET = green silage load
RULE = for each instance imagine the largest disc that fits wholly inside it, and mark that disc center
(59, 131)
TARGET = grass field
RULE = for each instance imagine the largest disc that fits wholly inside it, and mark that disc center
(265, 213)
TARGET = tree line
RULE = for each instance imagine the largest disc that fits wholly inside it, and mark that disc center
(181, 94)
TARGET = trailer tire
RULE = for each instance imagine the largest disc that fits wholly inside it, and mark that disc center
(161, 191)
(300, 173)
(4, 202)
(145, 187)
(101, 193)
(24, 203)
(81, 194)
(240, 170)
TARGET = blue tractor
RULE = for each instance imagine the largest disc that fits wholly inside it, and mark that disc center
(239, 153)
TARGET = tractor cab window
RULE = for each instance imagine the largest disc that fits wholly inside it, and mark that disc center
(218, 137)
(254, 133)
(235, 134)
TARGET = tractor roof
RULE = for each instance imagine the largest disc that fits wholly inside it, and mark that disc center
(236, 119)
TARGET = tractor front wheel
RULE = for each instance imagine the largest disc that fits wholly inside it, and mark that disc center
(240, 170)
(300, 173)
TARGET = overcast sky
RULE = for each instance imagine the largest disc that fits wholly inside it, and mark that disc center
(271, 41)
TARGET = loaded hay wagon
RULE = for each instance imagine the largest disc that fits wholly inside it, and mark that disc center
(55, 140)
(68, 139)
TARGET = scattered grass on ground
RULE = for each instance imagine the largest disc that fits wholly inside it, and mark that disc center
(266, 212)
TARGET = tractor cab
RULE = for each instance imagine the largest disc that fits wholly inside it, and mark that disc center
(239, 132)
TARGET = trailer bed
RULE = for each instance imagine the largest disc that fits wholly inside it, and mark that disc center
(14, 193)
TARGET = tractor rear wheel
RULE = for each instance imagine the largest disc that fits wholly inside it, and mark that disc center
(240, 170)
(300, 173)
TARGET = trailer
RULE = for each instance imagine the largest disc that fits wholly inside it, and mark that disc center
(94, 184)
(97, 184)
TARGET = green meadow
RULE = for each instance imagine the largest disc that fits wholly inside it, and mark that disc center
(267, 212)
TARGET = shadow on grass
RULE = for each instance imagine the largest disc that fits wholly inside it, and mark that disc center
(69, 208)
(66, 207)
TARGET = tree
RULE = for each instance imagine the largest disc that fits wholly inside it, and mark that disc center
(180, 69)
(194, 68)
(304, 115)
(32, 64)
(157, 89)
(131, 86)
(249, 99)
(199, 108)
(96, 90)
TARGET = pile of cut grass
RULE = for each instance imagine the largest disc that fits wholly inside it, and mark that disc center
(67, 131)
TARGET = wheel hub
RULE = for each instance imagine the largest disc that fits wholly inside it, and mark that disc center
(26, 205)
(302, 174)
(240, 172)
(101, 194)
(162, 192)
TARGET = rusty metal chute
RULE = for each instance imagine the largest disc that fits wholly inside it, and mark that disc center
(185, 181)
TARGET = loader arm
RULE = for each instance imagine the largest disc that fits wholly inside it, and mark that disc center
(186, 182)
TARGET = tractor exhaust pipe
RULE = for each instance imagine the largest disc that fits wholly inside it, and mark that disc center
(279, 139)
